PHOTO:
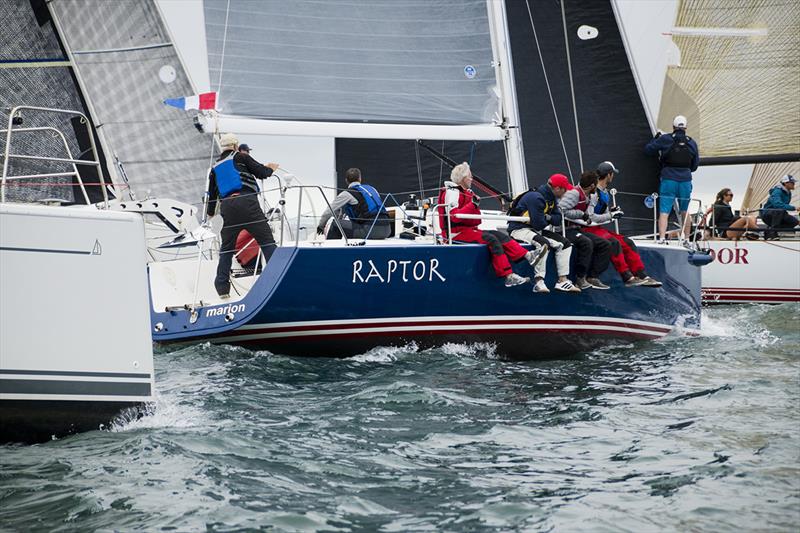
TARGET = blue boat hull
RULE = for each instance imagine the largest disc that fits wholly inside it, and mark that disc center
(342, 301)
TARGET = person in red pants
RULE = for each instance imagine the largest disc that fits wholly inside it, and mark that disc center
(456, 195)
(624, 256)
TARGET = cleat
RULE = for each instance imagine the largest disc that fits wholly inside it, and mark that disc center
(512, 280)
(539, 286)
(566, 286)
(597, 284)
(647, 281)
(583, 284)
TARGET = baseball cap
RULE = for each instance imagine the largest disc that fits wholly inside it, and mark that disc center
(244, 148)
(605, 167)
(560, 180)
(679, 122)
(228, 140)
(788, 178)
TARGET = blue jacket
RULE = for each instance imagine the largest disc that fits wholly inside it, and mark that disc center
(541, 206)
(779, 199)
(660, 146)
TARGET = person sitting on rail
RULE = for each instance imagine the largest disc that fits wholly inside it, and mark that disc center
(774, 213)
(592, 252)
(366, 216)
(624, 256)
(541, 207)
(725, 224)
(457, 197)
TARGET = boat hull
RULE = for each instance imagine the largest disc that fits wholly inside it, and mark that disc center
(752, 272)
(342, 301)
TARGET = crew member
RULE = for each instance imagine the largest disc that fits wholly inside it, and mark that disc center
(679, 157)
(592, 252)
(624, 256)
(457, 196)
(541, 206)
(366, 216)
(726, 224)
(233, 186)
(774, 213)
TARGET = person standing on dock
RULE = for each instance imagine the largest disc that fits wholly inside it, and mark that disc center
(679, 156)
(456, 198)
(232, 185)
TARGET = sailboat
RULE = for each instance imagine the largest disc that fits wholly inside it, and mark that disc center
(735, 78)
(378, 77)
(71, 358)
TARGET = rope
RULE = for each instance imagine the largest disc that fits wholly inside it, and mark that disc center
(549, 92)
(572, 88)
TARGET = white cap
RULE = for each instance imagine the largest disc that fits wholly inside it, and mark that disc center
(679, 122)
(788, 178)
(228, 140)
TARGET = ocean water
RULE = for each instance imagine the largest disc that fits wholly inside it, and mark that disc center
(682, 434)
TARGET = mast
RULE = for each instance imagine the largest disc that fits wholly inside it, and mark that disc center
(504, 72)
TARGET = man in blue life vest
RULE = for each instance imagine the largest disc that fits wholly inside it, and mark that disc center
(679, 157)
(366, 216)
(775, 211)
(233, 187)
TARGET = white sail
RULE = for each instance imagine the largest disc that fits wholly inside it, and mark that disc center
(765, 177)
(127, 66)
(738, 77)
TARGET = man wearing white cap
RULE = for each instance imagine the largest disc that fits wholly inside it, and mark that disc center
(232, 185)
(774, 213)
(679, 157)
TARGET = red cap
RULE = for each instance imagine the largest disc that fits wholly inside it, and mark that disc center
(560, 180)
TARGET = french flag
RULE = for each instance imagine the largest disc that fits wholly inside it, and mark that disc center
(198, 101)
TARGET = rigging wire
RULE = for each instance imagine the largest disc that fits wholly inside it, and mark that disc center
(419, 171)
(549, 91)
(572, 88)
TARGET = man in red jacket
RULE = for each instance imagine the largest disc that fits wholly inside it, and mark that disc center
(456, 195)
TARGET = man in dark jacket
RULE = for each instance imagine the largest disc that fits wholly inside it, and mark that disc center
(679, 157)
(774, 213)
(541, 207)
(232, 186)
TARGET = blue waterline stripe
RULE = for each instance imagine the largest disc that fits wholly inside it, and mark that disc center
(74, 374)
(44, 250)
(90, 388)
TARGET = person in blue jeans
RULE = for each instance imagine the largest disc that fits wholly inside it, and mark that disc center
(679, 157)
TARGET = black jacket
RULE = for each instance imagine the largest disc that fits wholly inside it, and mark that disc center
(248, 168)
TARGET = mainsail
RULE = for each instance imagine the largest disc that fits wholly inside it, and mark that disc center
(738, 78)
(127, 66)
(766, 176)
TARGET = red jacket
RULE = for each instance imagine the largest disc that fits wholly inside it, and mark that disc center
(466, 205)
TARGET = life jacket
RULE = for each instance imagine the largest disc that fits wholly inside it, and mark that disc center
(583, 200)
(680, 153)
(603, 200)
(229, 180)
(369, 202)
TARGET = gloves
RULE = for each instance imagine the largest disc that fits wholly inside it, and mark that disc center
(586, 217)
(616, 215)
(476, 199)
(320, 230)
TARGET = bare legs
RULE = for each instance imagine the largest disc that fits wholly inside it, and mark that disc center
(736, 230)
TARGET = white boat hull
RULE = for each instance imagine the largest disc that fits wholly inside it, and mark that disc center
(75, 346)
(752, 272)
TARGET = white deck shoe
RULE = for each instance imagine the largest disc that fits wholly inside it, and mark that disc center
(566, 286)
(534, 256)
(539, 286)
(513, 279)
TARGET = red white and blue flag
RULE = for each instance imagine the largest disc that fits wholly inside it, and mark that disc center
(202, 101)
